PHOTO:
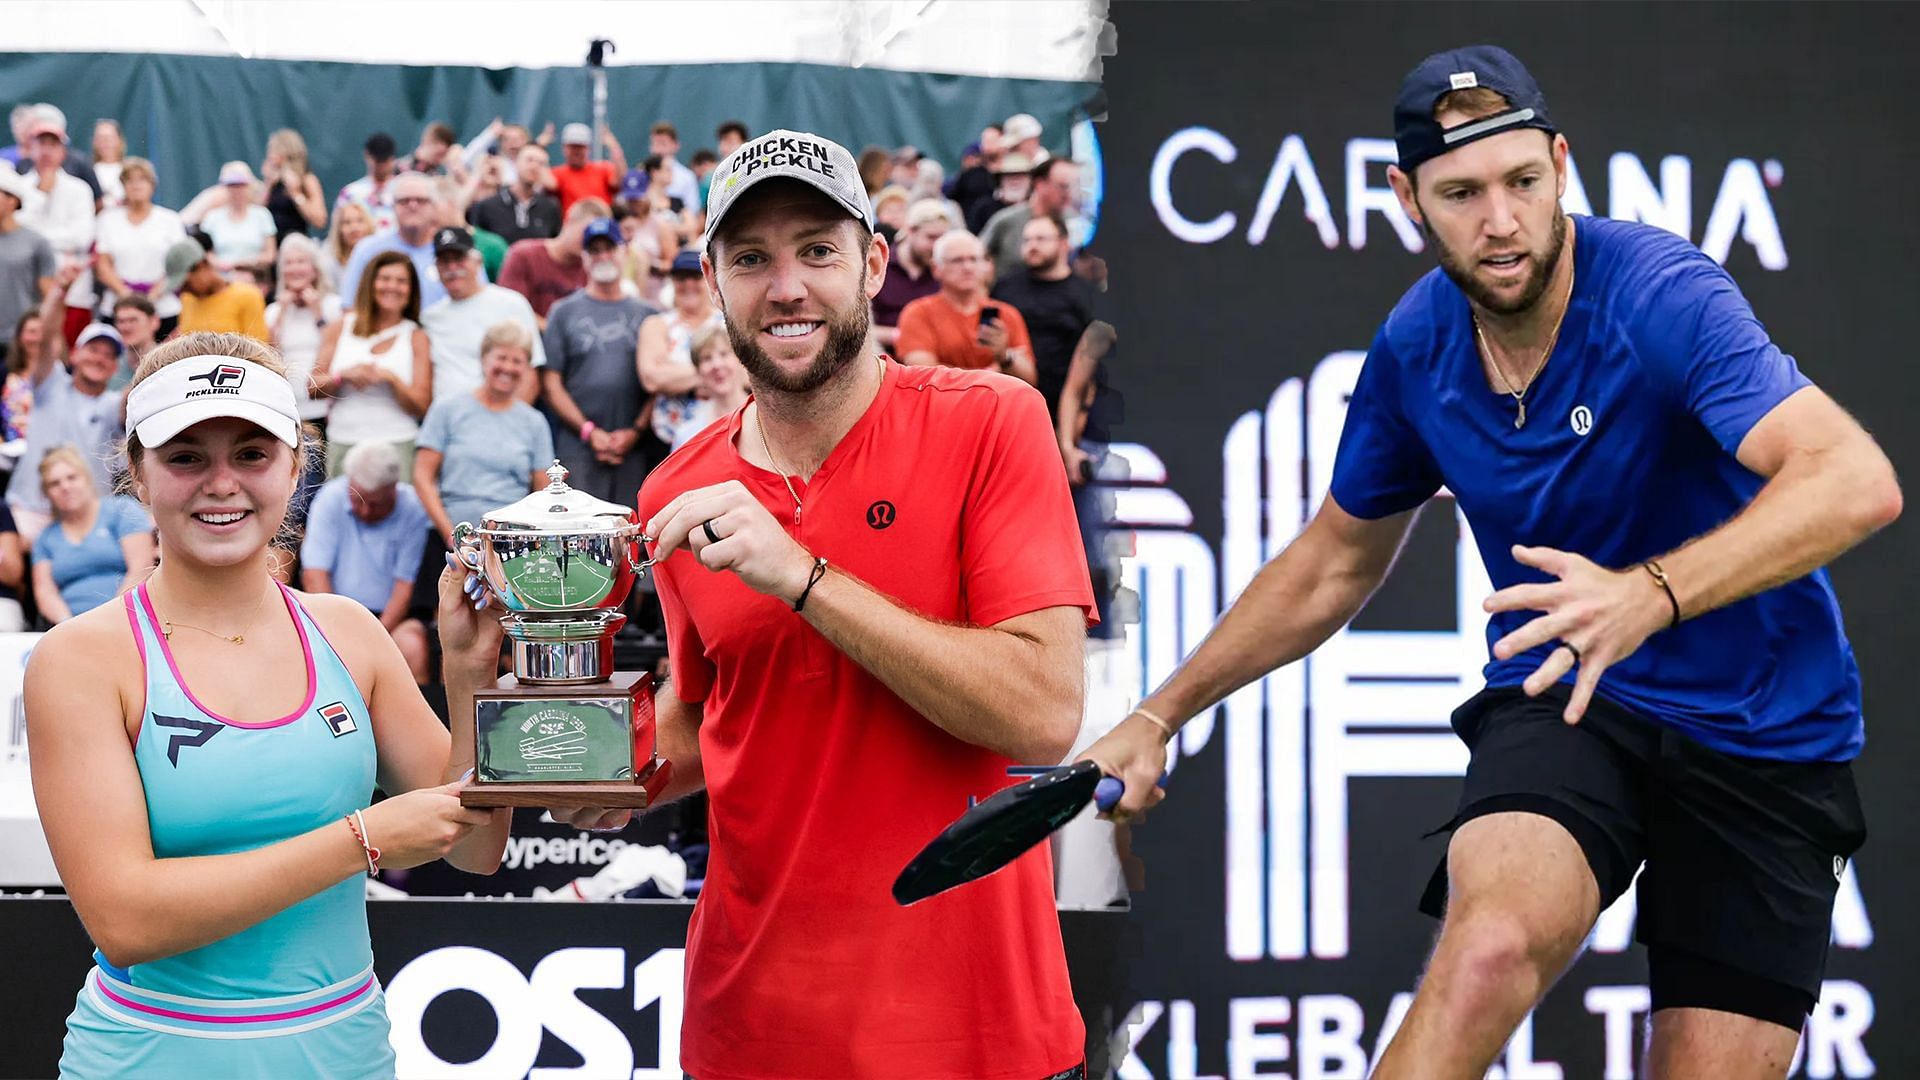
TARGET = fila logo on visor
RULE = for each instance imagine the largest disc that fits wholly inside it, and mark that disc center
(338, 719)
(225, 379)
(226, 375)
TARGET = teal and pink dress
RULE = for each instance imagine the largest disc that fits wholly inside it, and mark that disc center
(294, 995)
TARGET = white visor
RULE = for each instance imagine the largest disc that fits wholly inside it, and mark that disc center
(198, 388)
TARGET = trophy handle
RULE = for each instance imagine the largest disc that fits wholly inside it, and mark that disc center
(466, 546)
(637, 558)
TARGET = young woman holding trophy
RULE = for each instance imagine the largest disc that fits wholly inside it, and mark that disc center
(205, 748)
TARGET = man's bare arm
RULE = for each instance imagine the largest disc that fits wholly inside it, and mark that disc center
(1297, 601)
(1829, 487)
(1070, 411)
(1016, 687)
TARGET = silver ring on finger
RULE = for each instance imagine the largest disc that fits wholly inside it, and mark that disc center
(707, 527)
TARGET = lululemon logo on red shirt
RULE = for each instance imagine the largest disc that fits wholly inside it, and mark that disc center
(880, 515)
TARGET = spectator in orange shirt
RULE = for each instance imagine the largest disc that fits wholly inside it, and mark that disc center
(210, 302)
(576, 178)
(959, 326)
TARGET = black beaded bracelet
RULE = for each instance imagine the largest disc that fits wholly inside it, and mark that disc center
(819, 571)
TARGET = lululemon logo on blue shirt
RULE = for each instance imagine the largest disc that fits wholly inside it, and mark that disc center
(1582, 420)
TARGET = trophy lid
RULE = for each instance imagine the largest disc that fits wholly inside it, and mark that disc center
(560, 509)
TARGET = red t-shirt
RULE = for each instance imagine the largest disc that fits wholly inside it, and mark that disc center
(932, 324)
(596, 179)
(532, 272)
(823, 784)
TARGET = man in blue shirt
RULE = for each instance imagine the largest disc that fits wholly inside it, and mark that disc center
(416, 214)
(1654, 487)
(366, 535)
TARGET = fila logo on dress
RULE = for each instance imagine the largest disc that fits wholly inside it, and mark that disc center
(339, 720)
(1581, 420)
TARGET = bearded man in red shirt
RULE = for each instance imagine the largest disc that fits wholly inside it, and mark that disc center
(875, 598)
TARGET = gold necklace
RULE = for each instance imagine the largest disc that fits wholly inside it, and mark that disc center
(1520, 396)
(768, 447)
(168, 626)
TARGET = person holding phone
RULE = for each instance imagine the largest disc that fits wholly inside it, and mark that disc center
(959, 326)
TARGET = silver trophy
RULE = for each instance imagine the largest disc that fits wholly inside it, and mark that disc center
(564, 728)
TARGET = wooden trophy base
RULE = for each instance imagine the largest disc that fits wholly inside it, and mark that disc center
(502, 711)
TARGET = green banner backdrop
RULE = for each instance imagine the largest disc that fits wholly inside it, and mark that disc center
(190, 113)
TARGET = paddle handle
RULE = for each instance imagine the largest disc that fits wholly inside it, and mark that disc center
(1107, 794)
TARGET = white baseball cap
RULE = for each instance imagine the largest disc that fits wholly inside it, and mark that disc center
(576, 135)
(16, 185)
(198, 388)
(820, 163)
(100, 331)
(1020, 127)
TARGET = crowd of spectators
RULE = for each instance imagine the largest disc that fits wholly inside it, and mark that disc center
(458, 317)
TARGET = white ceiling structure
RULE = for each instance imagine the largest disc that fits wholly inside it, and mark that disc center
(1038, 39)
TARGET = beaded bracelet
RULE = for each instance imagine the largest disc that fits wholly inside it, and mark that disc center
(358, 826)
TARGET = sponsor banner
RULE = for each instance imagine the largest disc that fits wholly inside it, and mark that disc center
(488, 989)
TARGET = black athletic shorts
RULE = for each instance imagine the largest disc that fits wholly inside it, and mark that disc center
(1743, 855)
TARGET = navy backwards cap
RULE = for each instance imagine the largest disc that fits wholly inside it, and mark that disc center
(602, 229)
(1420, 138)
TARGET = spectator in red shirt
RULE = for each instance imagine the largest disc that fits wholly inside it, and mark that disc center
(576, 178)
(958, 326)
(843, 563)
(545, 271)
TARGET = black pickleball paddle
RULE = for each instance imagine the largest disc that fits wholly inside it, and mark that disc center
(1002, 827)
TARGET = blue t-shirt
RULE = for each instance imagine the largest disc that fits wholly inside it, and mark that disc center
(364, 560)
(488, 458)
(1628, 452)
(89, 573)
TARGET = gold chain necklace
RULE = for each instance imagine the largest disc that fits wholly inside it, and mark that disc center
(768, 447)
(1520, 396)
(168, 626)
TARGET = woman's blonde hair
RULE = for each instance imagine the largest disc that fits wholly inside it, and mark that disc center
(64, 454)
(206, 343)
(507, 333)
(292, 148)
(336, 242)
(704, 339)
(298, 244)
